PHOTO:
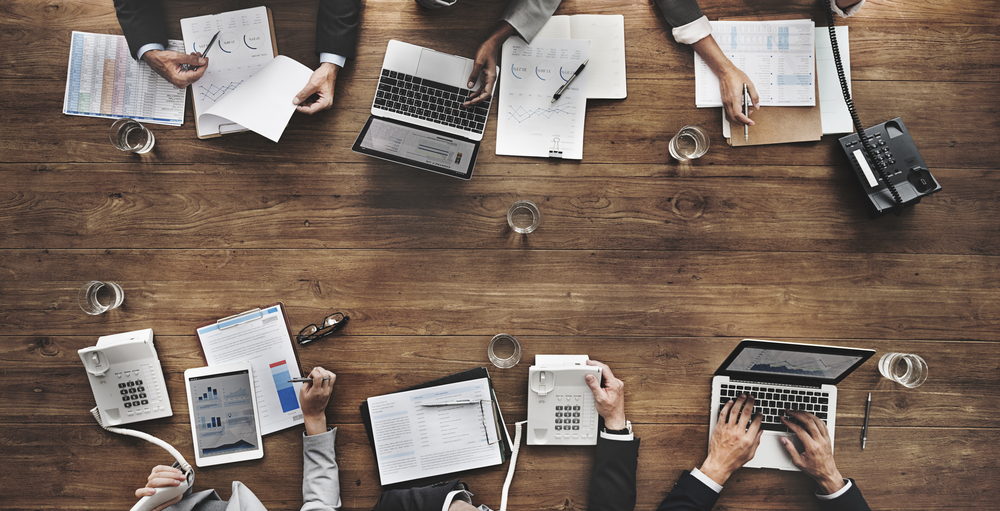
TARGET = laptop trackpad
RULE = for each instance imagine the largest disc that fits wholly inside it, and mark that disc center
(771, 452)
(441, 67)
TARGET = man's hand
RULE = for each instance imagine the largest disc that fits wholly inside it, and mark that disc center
(173, 66)
(734, 441)
(317, 95)
(314, 397)
(817, 459)
(609, 399)
(162, 476)
(731, 80)
(486, 63)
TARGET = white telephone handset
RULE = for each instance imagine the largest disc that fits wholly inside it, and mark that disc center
(561, 407)
(126, 378)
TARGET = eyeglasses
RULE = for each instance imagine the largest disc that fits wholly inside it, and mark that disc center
(331, 324)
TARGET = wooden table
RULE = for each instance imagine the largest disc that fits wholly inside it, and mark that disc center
(656, 268)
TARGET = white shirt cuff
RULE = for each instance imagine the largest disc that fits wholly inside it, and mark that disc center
(333, 58)
(694, 31)
(457, 494)
(839, 492)
(626, 437)
(707, 481)
(850, 10)
(151, 46)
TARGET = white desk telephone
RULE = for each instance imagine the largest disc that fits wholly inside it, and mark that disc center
(561, 407)
(126, 378)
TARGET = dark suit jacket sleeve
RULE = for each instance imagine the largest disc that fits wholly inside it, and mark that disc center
(852, 500)
(689, 494)
(337, 27)
(679, 12)
(142, 23)
(612, 484)
(425, 498)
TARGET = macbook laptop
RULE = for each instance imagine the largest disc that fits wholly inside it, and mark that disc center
(783, 376)
(417, 115)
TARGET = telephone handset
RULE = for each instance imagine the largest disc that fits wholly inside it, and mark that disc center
(561, 408)
(885, 160)
(126, 378)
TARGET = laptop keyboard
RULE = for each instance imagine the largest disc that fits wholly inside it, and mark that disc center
(772, 402)
(430, 101)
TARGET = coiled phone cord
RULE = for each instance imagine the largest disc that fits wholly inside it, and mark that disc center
(879, 165)
(147, 437)
(513, 463)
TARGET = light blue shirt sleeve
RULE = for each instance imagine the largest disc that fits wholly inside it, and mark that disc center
(333, 58)
(151, 46)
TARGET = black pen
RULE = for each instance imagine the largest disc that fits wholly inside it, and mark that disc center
(305, 380)
(204, 54)
(746, 112)
(864, 428)
(555, 97)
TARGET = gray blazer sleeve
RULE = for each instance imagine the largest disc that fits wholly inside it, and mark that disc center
(679, 12)
(320, 474)
(528, 16)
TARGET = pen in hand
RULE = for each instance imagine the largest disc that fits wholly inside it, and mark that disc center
(559, 92)
(204, 54)
(746, 112)
(305, 380)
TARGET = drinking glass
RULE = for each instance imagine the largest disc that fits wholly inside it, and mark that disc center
(523, 216)
(131, 136)
(96, 297)
(905, 369)
(689, 143)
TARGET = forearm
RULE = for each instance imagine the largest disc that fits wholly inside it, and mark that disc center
(320, 472)
(710, 52)
(141, 22)
(315, 424)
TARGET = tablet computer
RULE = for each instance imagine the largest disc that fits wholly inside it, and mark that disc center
(223, 408)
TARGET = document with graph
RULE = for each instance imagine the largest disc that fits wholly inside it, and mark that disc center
(529, 123)
(242, 70)
(262, 337)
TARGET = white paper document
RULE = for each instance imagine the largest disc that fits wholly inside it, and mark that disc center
(529, 123)
(833, 108)
(778, 56)
(606, 33)
(261, 338)
(414, 441)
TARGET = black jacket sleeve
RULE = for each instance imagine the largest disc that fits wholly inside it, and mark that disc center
(425, 498)
(679, 12)
(852, 500)
(337, 27)
(689, 494)
(142, 23)
(612, 484)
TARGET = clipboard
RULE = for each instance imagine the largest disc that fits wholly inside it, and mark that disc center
(779, 124)
(263, 337)
(471, 374)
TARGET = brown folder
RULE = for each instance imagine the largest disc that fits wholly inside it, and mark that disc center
(779, 124)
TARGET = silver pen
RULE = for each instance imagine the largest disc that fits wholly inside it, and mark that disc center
(746, 112)
(555, 97)
(305, 380)
(864, 428)
(460, 402)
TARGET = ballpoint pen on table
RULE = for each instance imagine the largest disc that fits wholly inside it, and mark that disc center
(305, 380)
(562, 89)
(746, 112)
(864, 428)
(452, 403)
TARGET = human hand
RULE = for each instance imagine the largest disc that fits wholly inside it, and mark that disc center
(486, 64)
(162, 476)
(609, 399)
(734, 441)
(176, 67)
(731, 82)
(817, 458)
(317, 95)
(314, 397)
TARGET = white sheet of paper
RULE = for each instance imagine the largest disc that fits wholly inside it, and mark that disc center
(606, 33)
(263, 103)
(778, 56)
(414, 441)
(264, 342)
(528, 122)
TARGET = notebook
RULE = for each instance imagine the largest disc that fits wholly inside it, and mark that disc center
(417, 118)
(783, 376)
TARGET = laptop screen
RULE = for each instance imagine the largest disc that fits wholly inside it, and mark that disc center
(776, 361)
(423, 148)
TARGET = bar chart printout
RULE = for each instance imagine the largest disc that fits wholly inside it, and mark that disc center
(286, 392)
(104, 80)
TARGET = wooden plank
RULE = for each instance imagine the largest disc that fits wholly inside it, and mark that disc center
(651, 367)
(585, 207)
(936, 468)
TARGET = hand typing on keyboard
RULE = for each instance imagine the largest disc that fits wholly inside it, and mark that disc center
(817, 458)
(734, 441)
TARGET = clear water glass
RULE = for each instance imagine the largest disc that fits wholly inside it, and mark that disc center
(523, 216)
(905, 369)
(689, 143)
(96, 297)
(131, 136)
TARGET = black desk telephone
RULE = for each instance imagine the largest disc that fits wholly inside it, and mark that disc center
(889, 168)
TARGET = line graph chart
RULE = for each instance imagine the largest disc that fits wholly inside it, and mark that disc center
(522, 114)
(214, 92)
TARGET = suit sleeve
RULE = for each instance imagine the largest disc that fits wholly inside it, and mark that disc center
(612, 484)
(529, 16)
(337, 27)
(679, 12)
(320, 473)
(689, 494)
(425, 498)
(141, 22)
(852, 500)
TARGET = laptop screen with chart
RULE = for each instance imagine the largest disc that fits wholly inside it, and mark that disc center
(223, 411)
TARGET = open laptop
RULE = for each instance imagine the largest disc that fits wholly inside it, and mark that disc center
(782, 376)
(417, 115)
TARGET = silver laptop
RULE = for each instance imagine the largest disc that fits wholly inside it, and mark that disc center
(783, 376)
(417, 115)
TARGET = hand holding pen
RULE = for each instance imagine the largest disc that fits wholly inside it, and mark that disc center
(208, 47)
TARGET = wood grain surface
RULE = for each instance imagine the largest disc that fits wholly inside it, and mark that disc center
(655, 267)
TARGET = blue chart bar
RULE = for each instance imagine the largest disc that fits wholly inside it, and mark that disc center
(286, 392)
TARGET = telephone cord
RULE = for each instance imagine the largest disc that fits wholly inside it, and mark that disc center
(145, 436)
(513, 463)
